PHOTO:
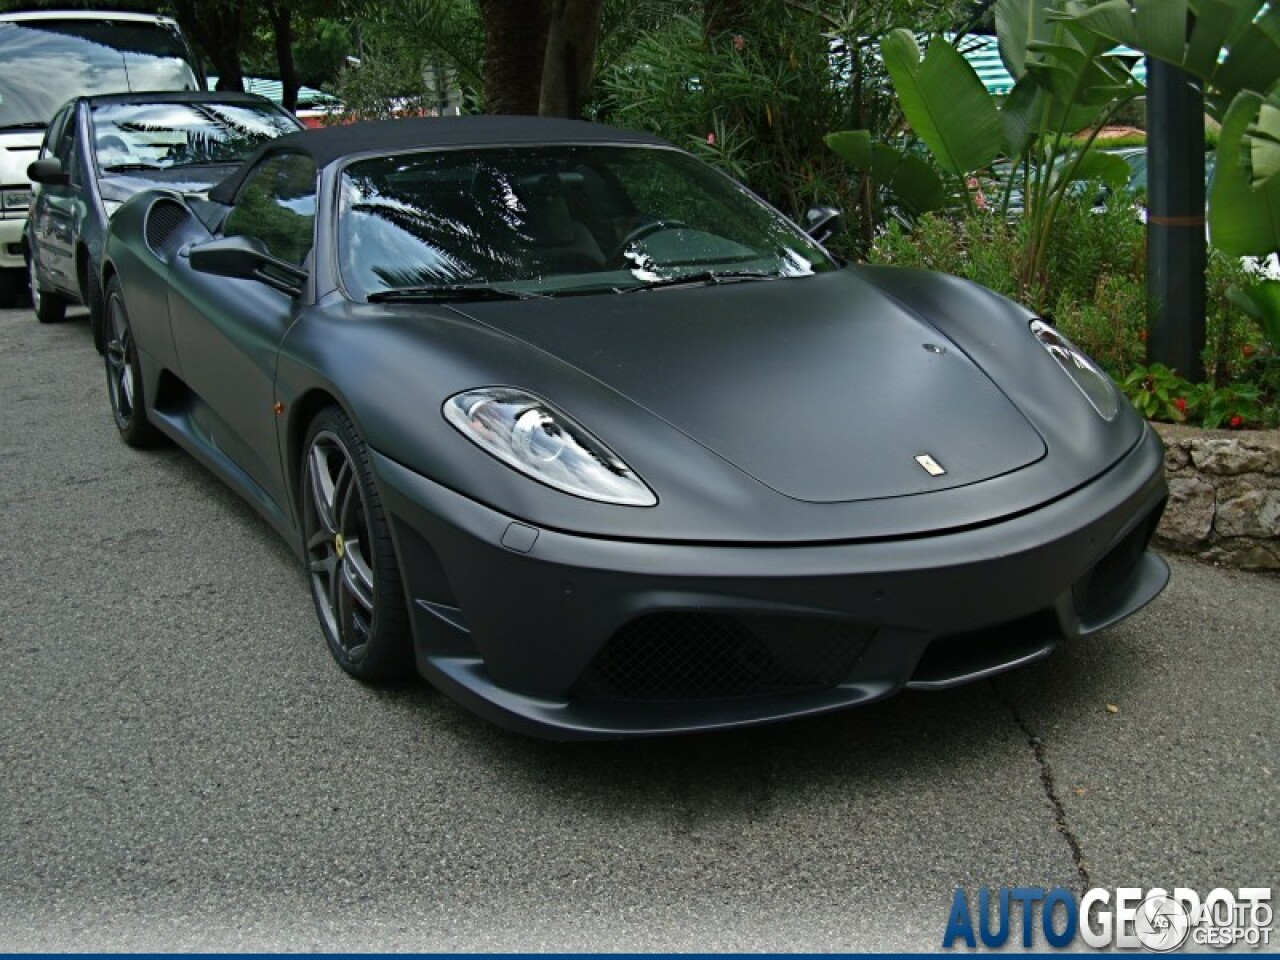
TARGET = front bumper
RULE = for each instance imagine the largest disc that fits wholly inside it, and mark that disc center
(11, 243)
(572, 637)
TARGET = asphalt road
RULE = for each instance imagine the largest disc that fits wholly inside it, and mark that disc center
(182, 766)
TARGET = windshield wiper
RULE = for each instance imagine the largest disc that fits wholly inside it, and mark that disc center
(124, 167)
(452, 291)
(25, 125)
(701, 278)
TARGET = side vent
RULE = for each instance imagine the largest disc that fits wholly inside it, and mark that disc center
(164, 217)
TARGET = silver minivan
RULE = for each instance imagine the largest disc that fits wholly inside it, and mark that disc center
(48, 57)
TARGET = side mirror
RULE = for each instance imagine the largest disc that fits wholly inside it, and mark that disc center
(48, 172)
(821, 222)
(246, 258)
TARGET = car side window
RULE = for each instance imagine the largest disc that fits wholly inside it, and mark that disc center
(277, 205)
(66, 147)
(53, 136)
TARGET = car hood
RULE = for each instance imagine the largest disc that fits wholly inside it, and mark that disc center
(823, 388)
(186, 180)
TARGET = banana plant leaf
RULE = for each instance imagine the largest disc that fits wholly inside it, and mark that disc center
(1095, 165)
(944, 101)
(1020, 115)
(1261, 301)
(1248, 31)
(1244, 210)
(911, 180)
(1018, 24)
(1264, 142)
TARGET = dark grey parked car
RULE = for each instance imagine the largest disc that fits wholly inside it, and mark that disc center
(101, 150)
(605, 446)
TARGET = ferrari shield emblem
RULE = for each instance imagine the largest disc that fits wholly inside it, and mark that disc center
(931, 466)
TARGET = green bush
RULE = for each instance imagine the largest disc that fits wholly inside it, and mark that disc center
(758, 98)
(755, 103)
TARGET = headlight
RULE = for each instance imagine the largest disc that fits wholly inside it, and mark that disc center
(1088, 376)
(15, 198)
(541, 442)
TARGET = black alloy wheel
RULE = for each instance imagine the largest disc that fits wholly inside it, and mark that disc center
(124, 379)
(351, 563)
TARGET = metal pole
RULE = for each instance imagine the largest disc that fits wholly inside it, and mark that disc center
(1175, 220)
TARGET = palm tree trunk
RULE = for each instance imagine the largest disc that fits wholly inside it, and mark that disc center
(281, 15)
(569, 63)
(218, 30)
(515, 43)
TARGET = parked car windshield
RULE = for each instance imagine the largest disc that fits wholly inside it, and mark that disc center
(164, 135)
(44, 63)
(553, 220)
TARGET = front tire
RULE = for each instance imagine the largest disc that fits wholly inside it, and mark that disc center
(49, 307)
(351, 562)
(97, 305)
(124, 377)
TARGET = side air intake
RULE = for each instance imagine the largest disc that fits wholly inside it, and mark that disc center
(164, 217)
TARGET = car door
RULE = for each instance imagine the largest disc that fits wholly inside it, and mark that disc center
(227, 331)
(38, 225)
(62, 208)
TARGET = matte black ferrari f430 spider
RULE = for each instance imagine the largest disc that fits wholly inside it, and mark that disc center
(604, 446)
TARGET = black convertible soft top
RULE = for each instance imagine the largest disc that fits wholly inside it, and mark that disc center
(327, 144)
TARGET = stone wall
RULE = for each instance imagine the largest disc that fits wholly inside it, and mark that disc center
(1224, 495)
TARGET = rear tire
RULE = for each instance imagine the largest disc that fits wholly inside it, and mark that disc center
(49, 306)
(124, 377)
(351, 561)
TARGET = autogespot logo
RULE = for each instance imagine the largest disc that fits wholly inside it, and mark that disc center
(1126, 918)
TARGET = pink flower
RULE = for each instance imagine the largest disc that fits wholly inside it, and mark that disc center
(711, 139)
(979, 198)
(739, 41)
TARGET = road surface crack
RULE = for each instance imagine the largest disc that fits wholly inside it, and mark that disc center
(1041, 754)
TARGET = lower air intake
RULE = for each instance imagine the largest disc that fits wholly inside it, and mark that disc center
(712, 656)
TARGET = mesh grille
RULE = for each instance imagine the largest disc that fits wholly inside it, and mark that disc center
(709, 656)
(164, 217)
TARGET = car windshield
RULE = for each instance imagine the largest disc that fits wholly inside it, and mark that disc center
(159, 135)
(44, 63)
(555, 220)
